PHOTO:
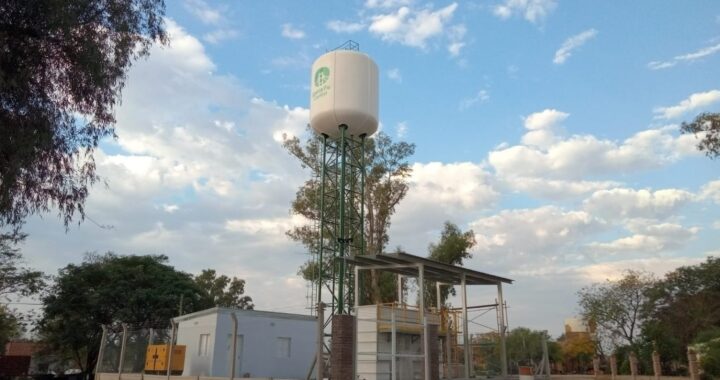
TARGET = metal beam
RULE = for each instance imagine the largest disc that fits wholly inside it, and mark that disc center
(503, 349)
(466, 335)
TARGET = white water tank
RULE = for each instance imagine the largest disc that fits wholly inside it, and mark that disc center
(344, 90)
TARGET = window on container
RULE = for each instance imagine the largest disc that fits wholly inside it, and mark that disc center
(283, 347)
(203, 346)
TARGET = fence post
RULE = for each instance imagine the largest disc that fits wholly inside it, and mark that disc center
(122, 350)
(613, 367)
(657, 369)
(101, 351)
(633, 365)
(692, 364)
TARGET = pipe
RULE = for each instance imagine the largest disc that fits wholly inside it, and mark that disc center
(234, 345)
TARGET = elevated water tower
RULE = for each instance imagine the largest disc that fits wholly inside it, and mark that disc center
(344, 113)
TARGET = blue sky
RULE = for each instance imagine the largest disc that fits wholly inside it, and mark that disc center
(549, 127)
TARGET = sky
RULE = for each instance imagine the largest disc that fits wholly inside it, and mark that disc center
(548, 127)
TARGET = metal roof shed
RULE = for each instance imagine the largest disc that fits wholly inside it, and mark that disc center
(404, 264)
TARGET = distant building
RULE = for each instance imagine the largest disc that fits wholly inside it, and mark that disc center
(18, 359)
(269, 344)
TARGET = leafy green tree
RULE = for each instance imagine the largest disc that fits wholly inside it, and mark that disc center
(454, 247)
(524, 346)
(62, 67)
(681, 306)
(10, 325)
(15, 280)
(224, 291)
(108, 290)
(616, 307)
(707, 127)
(386, 184)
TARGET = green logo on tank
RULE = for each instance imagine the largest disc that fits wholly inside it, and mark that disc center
(322, 75)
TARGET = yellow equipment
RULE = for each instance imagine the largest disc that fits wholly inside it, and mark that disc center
(156, 358)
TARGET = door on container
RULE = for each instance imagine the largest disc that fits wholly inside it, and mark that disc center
(238, 355)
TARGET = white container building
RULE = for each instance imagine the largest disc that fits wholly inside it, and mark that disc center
(269, 344)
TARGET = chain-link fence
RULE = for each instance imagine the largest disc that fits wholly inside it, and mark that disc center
(126, 346)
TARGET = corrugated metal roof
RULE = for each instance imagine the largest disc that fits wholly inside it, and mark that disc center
(407, 264)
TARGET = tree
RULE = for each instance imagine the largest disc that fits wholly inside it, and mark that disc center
(62, 67)
(111, 289)
(10, 325)
(15, 280)
(707, 127)
(681, 306)
(385, 186)
(524, 346)
(454, 246)
(615, 306)
(223, 291)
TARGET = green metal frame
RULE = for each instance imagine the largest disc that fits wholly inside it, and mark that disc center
(342, 217)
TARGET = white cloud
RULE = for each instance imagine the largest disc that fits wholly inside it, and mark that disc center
(386, 3)
(293, 33)
(395, 75)
(170, 208)
(204, 12)
(438, 192)
(711, 191)
(615, 270)
(339, 26)
(648, 238)
(530, 238)
(534, 11)
(412, 27)
(401, 130)
(582, 156)
(545, 119)
(455, 47)
(554, 189)
(541, 127)
(481, 97)
(630, 203)
(689, 57)
(573, 43)
(456, 33)
(219, 35)
(694, 101)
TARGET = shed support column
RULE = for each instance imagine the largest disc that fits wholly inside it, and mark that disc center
(356, 289)
(438, 302)
(466, 335)
(101, 351)
(426, 349)
(234, 345)
(399, 289)
(421, 296)
(503, 349)
(122, 349)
